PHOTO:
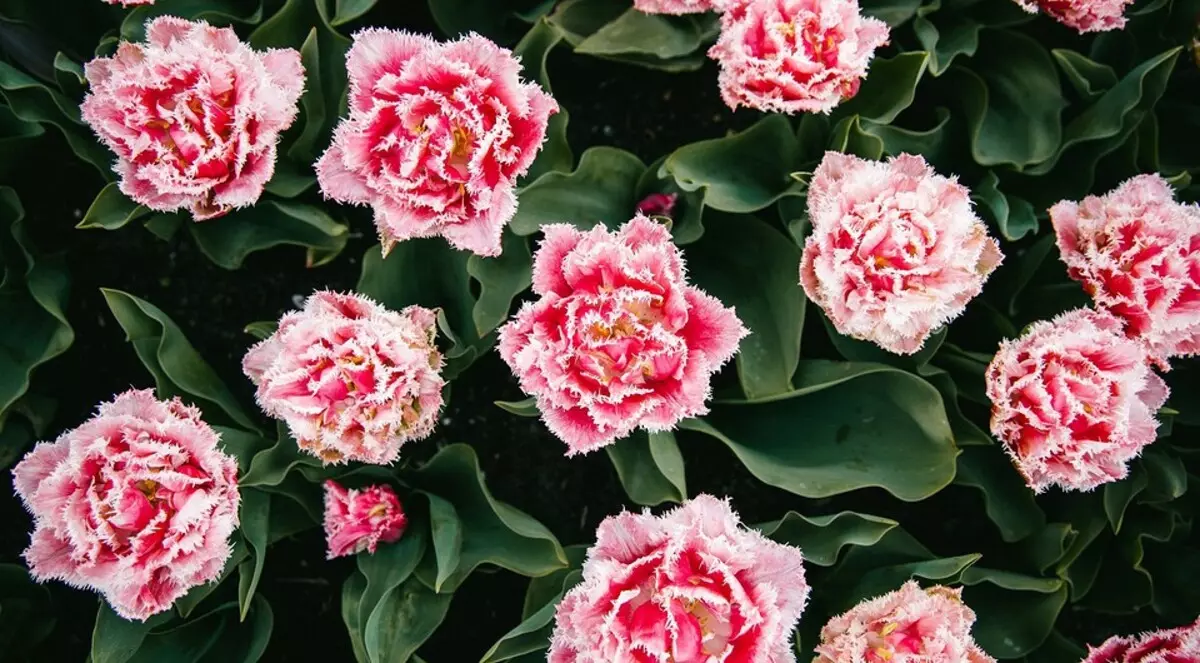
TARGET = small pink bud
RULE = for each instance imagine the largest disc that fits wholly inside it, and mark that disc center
(358, 520)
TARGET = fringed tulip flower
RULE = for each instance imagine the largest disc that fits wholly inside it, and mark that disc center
(358, 520)
(193, 115)
(895, 250)
(690, 586)
(678, 6)
(618, 339)
(909, 625)
(794, 56)
(1082, 15)
(138, 503)
(1177, 645)
(129, 3)
(1073, 400)
(658, 204)
(1137, 252)
(353, 380)
(437, 136)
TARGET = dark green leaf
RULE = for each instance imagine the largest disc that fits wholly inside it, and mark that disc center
(600, 190)
(1012, 216)
(1014, 613)
(261, 329)
(228, 240)
(404, 619)
(1119, 494)
(446, 530)
(389, 567)
(28, 613)
(946, 35)
(31, 101)
(348, 10)
(534, 49)
(649, 37)
(1090, 79)
(889, 87)
(522, 408)
(271, 466)
(822, 538)
(1008, 501)
(255, 518)
(500, 279)
(650, 467)
(532, 635)
(216, 12)
(115, 639)
(111, 210)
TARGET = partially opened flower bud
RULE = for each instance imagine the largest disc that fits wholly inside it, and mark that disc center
(1176, 645)
(1082, 15)
(357, 520)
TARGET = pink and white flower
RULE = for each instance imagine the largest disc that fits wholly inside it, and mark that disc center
(1082, 15)
(689, 586)
(1073, 400)
(193, 115)
(658, 204)
(137, 503)
(129, 3)
(1137, 252)
(895, 250)
(357, 520)
(353, 380)
(437, 136)
(909, 625)
(1176, 645)
(618, 338)
(678, 6)
(794, 56)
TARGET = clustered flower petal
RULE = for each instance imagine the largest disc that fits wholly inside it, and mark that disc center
(1137, 252)
(357, 520)
(1082, 15)
(909, 625)
(691, 585)
(1177, 645)
(658, 204)
(193, 115)
(792, 56)
(129, 3)
(678, 6)
(353, 380)
(137, 503)
(437, 135)
(1073, 400)
(895, 250)
(618, 339)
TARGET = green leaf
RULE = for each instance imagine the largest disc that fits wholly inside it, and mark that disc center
(177, 368)
(932, 143)
(493, 532)
(271, 466)
(575, 20)
(500, 279)
(854, 349)
(31, 101)
(111, 210)
(29, 616)
(261, 329)
(404, 619)
(659, 41)
(847, 426)
(532, 635)
(534, 49)
(686, 219)
(892, 12)
(228, 240)
(822, 538)
(1119, 494)
(352, 591)
(389, 567)
(600, 190)
(1090, 79)
(946, 35)
(889, 87)
(1014, 613)
(1012, 216)
(1008, 501)
(33, 296)
(446, 530)
(216, 12)
(752, 267)
(348, 10)
(495, 18)
(1012, 99)
(849, 137)
(523, 408)
(650, 467)
(742, 172)
(869, 571)
(425, 272)
(255, 518)
(115, 639)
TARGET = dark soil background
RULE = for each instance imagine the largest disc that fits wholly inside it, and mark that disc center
(646, 112)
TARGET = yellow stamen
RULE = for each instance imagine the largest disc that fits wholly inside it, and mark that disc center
(888, 629)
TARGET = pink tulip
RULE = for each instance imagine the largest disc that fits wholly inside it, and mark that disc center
(895, 250)
(437, 136)
(1177, 645)
(677, 6)
(909, 625)
(353, 380)
(193, 115)
(1082, 15)
(1073, 400)
(138, 503)
(1137, 252)
(658, 204)
(357, 520)
(690, 586)
(794, 56)
(618, 339)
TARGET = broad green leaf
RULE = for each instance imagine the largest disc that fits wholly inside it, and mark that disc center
(1008, 501)
(404, 619)
(254, 522)
(348, 10)
(544, 589)
(228, 240)
(869, 571)
(1012, 216)
(650, 467)
(658, 36)
(493, 532)
(849, 137)
(1119, 494)
(271, 466)
(534, 50)
(215, 12)
(177, 368)
(446, 530)
(500, 279)
(754, 268)
(1090, 79)
(1014, 613)
(847, 426)
(523, 408)
(214, 637)
(600, 190)
(390, 566)
(352, 591)
(892, 12)
(33, 298)
(495, 18)
(932, 143)
(111, 210)
(187, 604)
(742, 172)
(575, 20)
(1012, 99)
(686, 218)
(115, 639)
(946, 36)
(29, 615)
(1056, 649)
(822, 538)
(889, 87)
(532, 635)
(858, 350)
(1166, 477)
(31, 101)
